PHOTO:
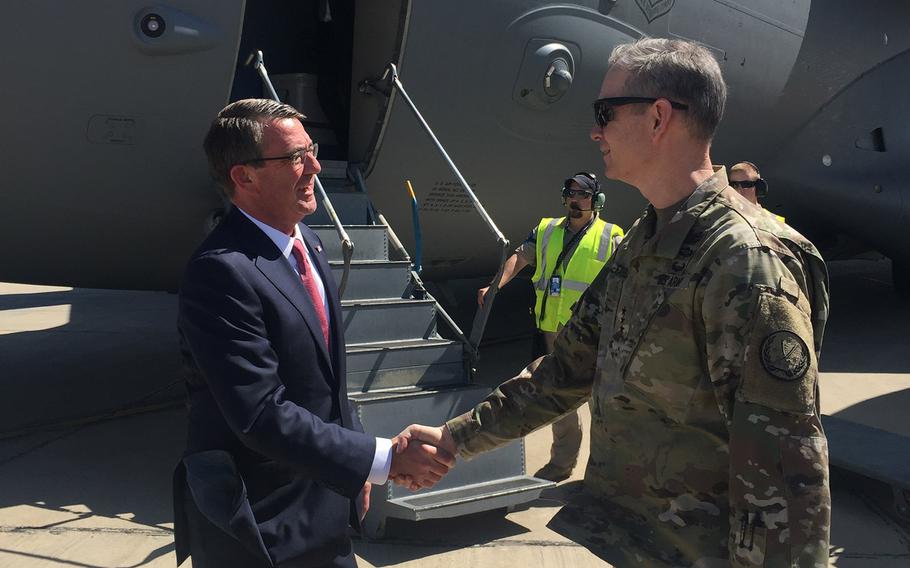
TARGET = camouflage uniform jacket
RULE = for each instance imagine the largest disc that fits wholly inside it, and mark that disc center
(699, 349)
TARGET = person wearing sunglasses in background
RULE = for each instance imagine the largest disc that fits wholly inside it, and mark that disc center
(746, 179)
(567, 253)
(697, 345)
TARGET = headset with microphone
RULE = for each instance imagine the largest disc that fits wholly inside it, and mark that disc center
(587, 182)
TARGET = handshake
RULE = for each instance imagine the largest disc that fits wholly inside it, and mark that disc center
(421, 456)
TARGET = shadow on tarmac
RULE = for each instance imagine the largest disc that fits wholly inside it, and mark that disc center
(70, 354)
(869, 322)
(116, 347)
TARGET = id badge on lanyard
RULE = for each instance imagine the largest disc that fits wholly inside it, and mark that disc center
(555, 285)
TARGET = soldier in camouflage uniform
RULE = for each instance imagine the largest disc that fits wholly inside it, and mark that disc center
(697, 344)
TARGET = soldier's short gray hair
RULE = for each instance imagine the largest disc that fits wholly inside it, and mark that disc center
(235, 135)
(681, 71)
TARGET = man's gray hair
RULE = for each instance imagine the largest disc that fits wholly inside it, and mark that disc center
(235, 136)
(681, 71)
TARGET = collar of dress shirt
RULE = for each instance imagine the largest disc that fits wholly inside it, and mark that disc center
(285, 243)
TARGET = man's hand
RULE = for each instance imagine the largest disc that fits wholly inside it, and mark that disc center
(481, 294)
(439, 436)
(365, 499)
(419, 465)
(416, 434)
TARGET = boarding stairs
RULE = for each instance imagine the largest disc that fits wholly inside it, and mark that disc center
(401, 370)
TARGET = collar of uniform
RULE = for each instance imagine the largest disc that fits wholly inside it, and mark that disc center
(674, 234)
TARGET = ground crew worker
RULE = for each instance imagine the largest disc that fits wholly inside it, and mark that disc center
(697, 344)
(746, 179)
(567, 253)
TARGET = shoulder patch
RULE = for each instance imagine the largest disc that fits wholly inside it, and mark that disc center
(785, 356)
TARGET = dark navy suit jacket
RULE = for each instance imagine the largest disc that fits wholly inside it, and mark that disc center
(275, 455)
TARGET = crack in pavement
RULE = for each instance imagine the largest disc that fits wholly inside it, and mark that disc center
(91, 530)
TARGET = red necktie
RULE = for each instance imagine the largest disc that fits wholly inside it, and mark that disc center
(309, 282)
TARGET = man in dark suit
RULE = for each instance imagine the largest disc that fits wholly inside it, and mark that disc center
(276, 463)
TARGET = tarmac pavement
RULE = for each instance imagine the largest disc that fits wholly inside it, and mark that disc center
(97, 494)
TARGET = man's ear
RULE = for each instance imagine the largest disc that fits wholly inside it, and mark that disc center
(660, 115)
(241, 175)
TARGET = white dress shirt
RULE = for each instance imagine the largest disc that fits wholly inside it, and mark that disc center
(382, 459)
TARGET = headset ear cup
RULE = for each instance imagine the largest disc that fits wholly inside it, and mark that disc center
(599, 201)
(761, 188)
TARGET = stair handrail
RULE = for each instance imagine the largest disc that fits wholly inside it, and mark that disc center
(481, 316)
(357, 176)
(347, 245)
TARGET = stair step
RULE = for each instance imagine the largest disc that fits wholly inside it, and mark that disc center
(352, 208)
(491, 480)
(468, 499)
(374, 279)
(372, 321)
(397, 364)
(371, 242)
(333, 170)
(386, 414)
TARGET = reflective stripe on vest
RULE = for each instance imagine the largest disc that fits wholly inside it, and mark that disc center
(591, 253)
(542, 256)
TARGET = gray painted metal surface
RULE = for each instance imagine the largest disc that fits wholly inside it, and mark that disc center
(371, 241)
(492, 480)
(385, 365)
(400, 371)
(107, 148)
(375, 279)
(368, 321)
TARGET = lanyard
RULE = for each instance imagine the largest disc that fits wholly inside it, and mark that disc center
(577, 236)
(558, 264)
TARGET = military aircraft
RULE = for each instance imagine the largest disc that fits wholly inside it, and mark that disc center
(107, 103)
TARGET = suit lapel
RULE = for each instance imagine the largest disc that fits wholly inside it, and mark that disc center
(283, 277)
(277, 270)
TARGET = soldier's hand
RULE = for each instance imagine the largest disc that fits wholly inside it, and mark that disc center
(439, 436)
(481, 294)
(418, 465)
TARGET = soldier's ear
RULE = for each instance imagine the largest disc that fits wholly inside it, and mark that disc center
(660, 115)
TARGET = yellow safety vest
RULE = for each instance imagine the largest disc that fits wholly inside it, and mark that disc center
(590, 255)
(780, 218)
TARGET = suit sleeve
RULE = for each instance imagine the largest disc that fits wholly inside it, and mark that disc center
(762, 360)
(545, 390)
(221, 318)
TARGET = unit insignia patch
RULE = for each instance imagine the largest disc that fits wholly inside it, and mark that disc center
(785, 356)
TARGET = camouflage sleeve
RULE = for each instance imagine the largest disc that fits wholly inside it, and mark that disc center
(545, 390)
(761, 358)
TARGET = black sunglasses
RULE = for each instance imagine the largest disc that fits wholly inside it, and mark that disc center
(743, 184)
(583, 193)
(603, 108)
